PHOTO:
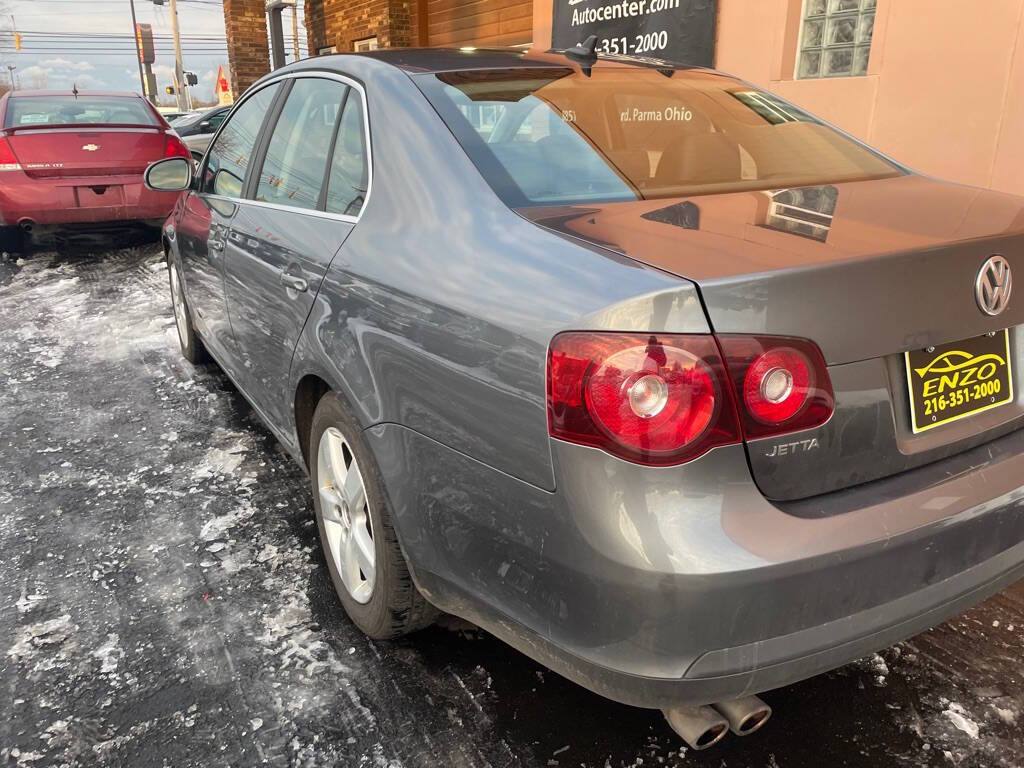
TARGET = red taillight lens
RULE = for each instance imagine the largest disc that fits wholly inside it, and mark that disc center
(782, 383)
(176, 148)
(8, 160)
(656, 399)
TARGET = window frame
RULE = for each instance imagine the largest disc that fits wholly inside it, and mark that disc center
(267, 129)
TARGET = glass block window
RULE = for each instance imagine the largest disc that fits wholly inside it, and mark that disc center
(835, 40)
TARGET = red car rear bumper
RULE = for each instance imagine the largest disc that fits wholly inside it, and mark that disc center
(80, 200)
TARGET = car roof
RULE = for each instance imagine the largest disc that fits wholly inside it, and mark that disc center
(454, 59)
(433, 60)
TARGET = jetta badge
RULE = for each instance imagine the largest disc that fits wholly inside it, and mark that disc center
(993, 286)
(91, 147)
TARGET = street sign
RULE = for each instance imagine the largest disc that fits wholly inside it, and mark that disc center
(144, 36)
(676, 31)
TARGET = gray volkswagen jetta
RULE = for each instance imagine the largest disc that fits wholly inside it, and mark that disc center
(646, 371)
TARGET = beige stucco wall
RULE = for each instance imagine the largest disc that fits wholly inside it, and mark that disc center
(944, 91)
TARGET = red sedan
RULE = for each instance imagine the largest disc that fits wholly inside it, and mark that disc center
(75, 161)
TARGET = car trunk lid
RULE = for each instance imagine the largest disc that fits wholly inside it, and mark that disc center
(868, 270)
(58, 152)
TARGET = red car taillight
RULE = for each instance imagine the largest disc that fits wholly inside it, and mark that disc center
(781, 382)
(655, 399)
(665, 399)
(8, 160)
(175, 147)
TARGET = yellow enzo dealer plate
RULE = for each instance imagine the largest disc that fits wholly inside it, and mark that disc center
(958, 380)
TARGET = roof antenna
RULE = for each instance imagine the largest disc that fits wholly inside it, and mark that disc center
(585, 54)
(74, 89)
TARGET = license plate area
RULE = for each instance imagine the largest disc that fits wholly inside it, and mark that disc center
(957, 380)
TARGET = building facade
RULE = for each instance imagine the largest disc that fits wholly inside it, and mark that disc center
(937, 84)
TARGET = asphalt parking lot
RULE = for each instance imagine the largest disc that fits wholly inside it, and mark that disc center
(163, 598)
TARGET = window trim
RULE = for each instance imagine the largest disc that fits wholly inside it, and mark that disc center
(325, 182)
(349, 81)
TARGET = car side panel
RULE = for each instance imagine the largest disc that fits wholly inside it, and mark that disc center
(438, 310)
(202, 228)
(266, 315)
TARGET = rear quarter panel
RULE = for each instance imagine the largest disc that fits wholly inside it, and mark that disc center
(437, 313)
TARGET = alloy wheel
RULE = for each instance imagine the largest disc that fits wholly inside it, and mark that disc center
(344, 506)
(180, 313)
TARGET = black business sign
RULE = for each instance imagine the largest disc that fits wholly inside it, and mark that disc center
(680, 31)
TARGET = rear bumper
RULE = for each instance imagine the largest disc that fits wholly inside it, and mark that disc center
(658, 587)
(62, 201)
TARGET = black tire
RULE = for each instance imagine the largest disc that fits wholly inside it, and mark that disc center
(13, 240)
(192, 348)
(395, 606)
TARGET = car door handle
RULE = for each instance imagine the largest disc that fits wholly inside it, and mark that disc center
(294, 282)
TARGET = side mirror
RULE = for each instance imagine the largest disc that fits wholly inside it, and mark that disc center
(173, 174)
(205, 126)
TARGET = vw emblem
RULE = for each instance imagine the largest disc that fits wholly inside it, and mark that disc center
(993, 286)
(90, 147)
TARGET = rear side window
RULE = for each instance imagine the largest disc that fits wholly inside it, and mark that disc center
(229, 155)
(83, 110)
(556, 136)
(347, 183)
(296, 157)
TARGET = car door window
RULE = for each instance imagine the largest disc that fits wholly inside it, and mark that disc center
(296, 157)
(216, 120)
(230, 154)
(349, 175)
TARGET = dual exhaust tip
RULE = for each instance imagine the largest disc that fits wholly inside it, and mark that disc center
(704, 726)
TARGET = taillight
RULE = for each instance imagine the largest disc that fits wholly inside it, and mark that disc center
(663, 399)
(8, 160)
(781, 383)
(659, 399)
(175, 147)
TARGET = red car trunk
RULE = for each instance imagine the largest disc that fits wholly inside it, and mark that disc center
(47, 152)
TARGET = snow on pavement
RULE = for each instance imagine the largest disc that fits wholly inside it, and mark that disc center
(163, 598)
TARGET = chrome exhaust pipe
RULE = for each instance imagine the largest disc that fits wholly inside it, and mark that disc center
(745, 715)
(27, 225)
(700, 727)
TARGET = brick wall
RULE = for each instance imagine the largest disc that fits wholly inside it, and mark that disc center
(245, 22)
(342, 22)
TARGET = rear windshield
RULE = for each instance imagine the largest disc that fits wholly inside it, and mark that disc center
(555, 136)
(84, 110)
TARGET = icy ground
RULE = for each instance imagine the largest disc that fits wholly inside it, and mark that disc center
(163, 599)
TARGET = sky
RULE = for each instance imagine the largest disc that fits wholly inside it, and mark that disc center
(89, 43)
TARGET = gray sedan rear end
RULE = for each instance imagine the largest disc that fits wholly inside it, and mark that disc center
(516, 215)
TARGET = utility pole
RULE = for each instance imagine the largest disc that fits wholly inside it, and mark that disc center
(179, 68)
(138, 50)
(274, 9)
(295, 29)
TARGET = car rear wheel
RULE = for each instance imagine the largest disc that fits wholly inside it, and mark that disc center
(365, 560)
(192, 348)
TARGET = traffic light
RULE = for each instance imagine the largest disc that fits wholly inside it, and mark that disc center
(191, 78)
(169, 90)
(17, 41)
